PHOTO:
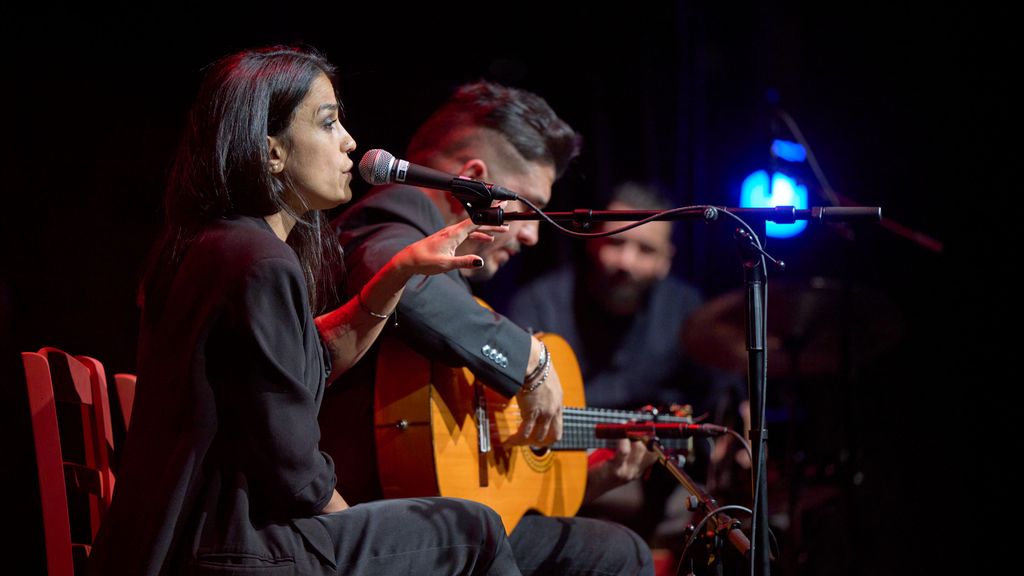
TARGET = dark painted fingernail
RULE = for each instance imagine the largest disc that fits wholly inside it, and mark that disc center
(479, 262)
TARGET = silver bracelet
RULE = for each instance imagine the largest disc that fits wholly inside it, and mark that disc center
(359, 299)
(544, 377)
(541, 363)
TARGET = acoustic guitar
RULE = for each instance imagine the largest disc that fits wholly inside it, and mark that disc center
(440, 432)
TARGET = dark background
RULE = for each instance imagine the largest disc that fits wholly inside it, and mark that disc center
(906, 108)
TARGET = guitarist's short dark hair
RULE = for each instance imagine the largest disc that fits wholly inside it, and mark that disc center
(523, 118)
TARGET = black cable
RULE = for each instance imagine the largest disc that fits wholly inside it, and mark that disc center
(682, 210)
(743, 442)
(771, 536)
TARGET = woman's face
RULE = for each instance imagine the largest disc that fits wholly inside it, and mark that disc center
(313, 152)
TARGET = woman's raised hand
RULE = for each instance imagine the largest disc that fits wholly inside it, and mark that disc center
(437, 253)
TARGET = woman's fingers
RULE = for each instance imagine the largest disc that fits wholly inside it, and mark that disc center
(471, 261)
(450, 248)
(481, 237)
(494, 229)
(465, 228)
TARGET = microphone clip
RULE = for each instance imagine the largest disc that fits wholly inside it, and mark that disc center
(477, 197)
(473, 194)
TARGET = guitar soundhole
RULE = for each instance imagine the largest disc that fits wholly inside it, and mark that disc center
(537, 459)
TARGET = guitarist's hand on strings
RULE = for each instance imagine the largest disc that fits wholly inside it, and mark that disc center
(607, 469)
(540, 401)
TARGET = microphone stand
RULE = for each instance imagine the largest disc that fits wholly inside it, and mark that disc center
(755, 280)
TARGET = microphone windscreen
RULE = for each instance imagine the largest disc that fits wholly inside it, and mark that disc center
(375, 167)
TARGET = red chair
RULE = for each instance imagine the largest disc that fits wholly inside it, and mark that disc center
(124, 384)
(71, 430)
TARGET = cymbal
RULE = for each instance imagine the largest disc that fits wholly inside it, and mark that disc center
(810, 321)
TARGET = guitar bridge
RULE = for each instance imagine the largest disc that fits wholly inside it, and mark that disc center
(483, 423)
(483, 433)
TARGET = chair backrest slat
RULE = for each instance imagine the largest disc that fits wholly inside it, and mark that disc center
(49, 464)
(80, 432)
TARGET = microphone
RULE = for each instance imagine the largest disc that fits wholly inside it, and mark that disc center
(635, 430)
(381, 167)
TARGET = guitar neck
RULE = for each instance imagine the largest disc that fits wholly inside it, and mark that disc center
(578, 427)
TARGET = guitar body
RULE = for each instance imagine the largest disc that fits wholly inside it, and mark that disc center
(440, 432)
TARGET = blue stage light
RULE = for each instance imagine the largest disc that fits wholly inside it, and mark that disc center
(789, 151)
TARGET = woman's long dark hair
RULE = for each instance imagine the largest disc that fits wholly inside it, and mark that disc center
(221, 168)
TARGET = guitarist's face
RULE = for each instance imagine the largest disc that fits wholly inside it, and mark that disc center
(534, 184)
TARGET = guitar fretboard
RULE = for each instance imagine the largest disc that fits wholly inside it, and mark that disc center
(578, 427)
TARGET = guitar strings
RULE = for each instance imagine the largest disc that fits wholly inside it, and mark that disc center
(577, 424)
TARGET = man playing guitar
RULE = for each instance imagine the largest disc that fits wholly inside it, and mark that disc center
(512, 137)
